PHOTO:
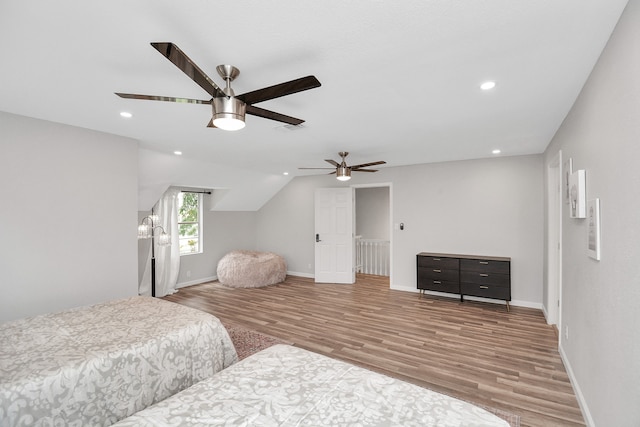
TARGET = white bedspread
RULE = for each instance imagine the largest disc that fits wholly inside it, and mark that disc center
(95, 365)
(288, 386)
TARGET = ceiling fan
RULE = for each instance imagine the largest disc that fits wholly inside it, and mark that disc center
(228, 109)
(343, 172)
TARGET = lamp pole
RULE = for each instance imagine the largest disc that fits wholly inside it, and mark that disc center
(146, 230)
(153, 258)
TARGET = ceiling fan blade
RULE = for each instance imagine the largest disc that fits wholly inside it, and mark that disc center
(162, 98)
(182, 61)
(364, 165)
(332, 162)
(272, 115)
(282, 89)
(364, 170)
(211, 125)
(317, 168)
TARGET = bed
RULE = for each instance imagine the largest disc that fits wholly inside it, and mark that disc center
(289, 386)
(93, 366)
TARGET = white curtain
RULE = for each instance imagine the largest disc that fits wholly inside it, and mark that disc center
(167, 257)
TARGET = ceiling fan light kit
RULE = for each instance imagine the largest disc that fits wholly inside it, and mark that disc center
(228, 113)
(343, 173)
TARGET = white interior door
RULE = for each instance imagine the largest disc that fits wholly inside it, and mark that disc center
(334, 254)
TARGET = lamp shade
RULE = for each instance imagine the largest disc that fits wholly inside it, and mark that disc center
(144, 231)
(343, 173)
(228, 113)
(164, 239)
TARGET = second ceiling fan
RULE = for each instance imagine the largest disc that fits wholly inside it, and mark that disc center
(343, 171)
(228, 109)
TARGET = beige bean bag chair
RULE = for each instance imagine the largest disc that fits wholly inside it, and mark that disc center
(251, 269)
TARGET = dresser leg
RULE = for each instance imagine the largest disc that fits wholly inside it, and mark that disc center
(508, 307)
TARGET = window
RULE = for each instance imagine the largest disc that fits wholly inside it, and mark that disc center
(190, 223)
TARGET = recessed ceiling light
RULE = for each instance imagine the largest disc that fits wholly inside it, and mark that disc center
(178, 153)
(126, 114)
(496, 151)
(488, 85)
(285, 173)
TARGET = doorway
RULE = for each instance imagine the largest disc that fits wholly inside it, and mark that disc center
(373, 229)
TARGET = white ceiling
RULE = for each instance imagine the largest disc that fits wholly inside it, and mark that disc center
(400, 80)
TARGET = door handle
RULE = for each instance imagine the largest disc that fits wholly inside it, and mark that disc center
(318, 238)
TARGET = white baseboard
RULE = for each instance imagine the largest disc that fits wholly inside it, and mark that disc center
(296, 273)
(196, 282)
(526, 304)
(576, 388)
(415, 290)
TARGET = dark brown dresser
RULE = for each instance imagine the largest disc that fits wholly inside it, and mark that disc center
(479, 276)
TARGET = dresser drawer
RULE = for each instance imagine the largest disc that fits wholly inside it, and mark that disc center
(439, 285)
(438, 274)
(438, 262)
(484, 278)
(487, 291)
(485, 266)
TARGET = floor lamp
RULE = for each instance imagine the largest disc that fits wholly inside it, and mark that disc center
(147, 230)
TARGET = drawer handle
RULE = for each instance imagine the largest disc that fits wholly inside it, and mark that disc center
(484, 275)
(437, 282)
(436, 259)
(484, 262)
(437, 271)
(484, 287)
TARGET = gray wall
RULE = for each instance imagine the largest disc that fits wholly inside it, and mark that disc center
(372, 213)
(285, 224)
(223, 232)
(68, 217)
(489, 206)
(601, 299)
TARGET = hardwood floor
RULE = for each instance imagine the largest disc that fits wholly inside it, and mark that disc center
(475, 351)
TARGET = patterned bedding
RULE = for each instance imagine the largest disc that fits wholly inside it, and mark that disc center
(93, 366)
(289, 386)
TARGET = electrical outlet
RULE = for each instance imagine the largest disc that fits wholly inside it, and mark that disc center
(309, 266)
(566, 332)
(188, 273)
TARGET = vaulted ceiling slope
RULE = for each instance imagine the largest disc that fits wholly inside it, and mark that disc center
(400, 80)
